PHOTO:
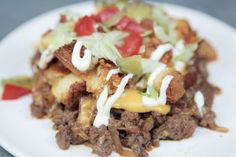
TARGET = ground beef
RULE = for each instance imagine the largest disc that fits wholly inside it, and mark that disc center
(43, 100)
(65, 137)
(129, 122)
(176, 127)
(62, 116)
(101, 140)
(137, 131)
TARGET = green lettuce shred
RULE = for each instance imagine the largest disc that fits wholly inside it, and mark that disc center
(165, 25)
(131, 65)
(21, 81)
(139, 11)
(102, 45)
(187, 53)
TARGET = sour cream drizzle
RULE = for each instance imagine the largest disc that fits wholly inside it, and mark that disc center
(81, 63)
(46, 57)
(112, 72)
(155, 73)
(177, 49)
(161, 100)
(104, 104)
(199, 101)
(160, 51)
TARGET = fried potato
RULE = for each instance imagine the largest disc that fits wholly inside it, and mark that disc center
(68, 89)
(206, 52)
(185, 32)
(176, 88)
(86, 115)
(54, 72)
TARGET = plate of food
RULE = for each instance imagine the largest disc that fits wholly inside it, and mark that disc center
(119, 78)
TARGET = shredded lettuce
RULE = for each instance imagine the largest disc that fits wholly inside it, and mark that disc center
(71, 16)
(187, 53)
(131, 65)
(139, 11)
(152, 92)
(62, 34)
(137, 65)
(114, 19)
(118, 3)
(102, 45)
(149, 65)
(21, 81)
(165, 25)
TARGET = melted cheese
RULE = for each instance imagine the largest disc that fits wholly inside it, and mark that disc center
(131, 100)
(160, 51)
(199, 101)
(104, 104)
(161, 100)
(81, 63)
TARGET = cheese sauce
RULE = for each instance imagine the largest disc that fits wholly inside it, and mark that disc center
(199, 101)
(161, 100)
(104, 104)
(82, 64)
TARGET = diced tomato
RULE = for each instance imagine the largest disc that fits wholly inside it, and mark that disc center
(84, 26)
(132, 45)
(105, 14)
(123, 23)
(129, 25)
(12, 92)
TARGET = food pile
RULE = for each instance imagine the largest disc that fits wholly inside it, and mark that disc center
(123, 78)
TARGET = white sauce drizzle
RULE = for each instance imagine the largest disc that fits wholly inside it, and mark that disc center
(160, 51)
(154, 74)
(82, 64)
(178, 48)
(161, 100)
(46, 57)
(104, 104)
(112, 72)
(199, 101)
(179, 66)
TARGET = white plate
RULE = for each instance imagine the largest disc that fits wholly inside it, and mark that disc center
(25, 136)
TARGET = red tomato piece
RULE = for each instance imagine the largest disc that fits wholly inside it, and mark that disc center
(129, 25)
(122, 24)
(84, 26)
(106, 13)
(12, 92)
(132, 45)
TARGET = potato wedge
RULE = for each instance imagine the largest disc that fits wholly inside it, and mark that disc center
(86, 116)
(176, 88)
